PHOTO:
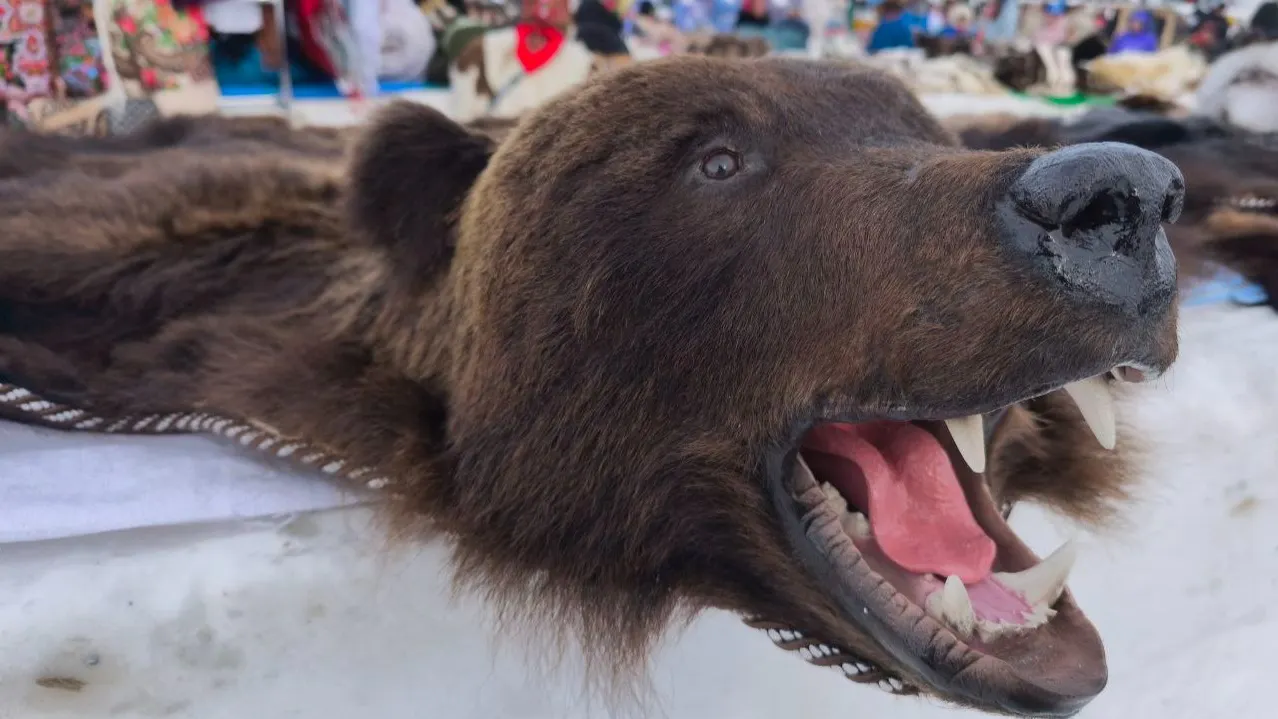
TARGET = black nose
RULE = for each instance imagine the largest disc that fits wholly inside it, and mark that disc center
(1088, 219)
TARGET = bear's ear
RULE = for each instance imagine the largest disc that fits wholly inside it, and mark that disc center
(412, 169)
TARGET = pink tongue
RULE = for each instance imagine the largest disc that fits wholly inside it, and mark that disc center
(917, 509)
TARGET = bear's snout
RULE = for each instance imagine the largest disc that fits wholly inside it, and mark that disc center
(1088, 219)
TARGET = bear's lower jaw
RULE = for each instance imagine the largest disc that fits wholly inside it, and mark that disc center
(937, 578)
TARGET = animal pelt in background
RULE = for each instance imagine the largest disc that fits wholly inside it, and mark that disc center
(725, 45)
(958, 73)
(1231, 175)
(30, 156)
(942, 45)
(1168, 74)
(25, 155)
(487, 77)
(1241, 88)
(1039, 70)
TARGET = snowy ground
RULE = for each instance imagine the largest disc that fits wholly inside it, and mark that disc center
(310, 618)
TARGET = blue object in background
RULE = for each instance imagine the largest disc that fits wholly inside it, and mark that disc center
(895, 32)
(784, 35)
(725, 14)
(690, 15)
(1226, 287)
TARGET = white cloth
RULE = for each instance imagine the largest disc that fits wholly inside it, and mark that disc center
(234, 17)
(365, 18)
(407, 41)
(1226, 94)
(60, 484)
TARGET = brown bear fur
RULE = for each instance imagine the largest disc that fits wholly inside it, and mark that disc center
(567, 356)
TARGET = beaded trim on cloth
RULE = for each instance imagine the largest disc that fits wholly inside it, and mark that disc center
(21, 403)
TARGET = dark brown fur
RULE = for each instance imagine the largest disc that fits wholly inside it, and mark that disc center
(25, 154)
(529, 344)
(942, 45)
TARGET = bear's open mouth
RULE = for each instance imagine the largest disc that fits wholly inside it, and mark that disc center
(896, 519)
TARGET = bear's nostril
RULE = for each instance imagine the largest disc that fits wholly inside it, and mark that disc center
(1174, 201)
(1103, 215)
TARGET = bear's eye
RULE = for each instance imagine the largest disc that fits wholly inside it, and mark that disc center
(721, 164)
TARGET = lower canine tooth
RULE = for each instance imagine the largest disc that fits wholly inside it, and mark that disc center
(1043, 583)
(968, 434)
(1097, 405)
(956, 607)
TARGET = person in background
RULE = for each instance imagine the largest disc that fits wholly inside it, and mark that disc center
(936, 16)
(599, 28)
(1211, 28)
(724, 14)
(1053, 41)
(1264, 23)
(958, 21)
(917, 15)
(598, 12)
(1055, 30)
(1138, 36)
(896, 28)
(754, 13)
(654, 23)
(789, 31)
(1000, 22)
(691, 16)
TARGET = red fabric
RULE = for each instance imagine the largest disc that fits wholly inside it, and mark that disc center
(537, 44)
(306, 11)
(326, 41)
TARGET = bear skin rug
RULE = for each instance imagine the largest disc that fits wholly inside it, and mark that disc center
(671, 346)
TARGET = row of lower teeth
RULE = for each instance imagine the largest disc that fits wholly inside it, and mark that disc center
(1094, 402)
(1252, 203)
(1039, 586)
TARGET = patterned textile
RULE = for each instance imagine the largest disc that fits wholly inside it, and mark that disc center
(79, 50)
(25, 67)
(53, 74)
(161, 54)
(158, 47)
(50, 61)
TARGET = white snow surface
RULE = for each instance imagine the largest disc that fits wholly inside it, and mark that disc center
(314, 618)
